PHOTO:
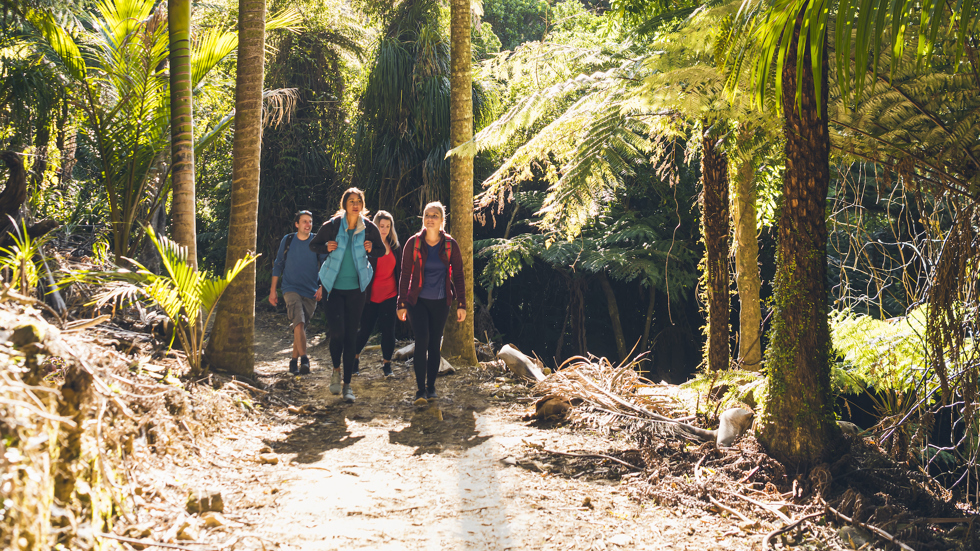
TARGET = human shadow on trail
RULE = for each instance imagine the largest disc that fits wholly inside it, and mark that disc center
(310, 441)
(434, 430)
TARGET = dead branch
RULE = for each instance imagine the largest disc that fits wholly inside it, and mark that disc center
(593, 455)
(787, 528)
(877, 531)
(735, 512)
(761, 505)
(149, 543)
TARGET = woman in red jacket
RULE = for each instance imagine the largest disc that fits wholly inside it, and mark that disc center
(432, 276)
(381, 294)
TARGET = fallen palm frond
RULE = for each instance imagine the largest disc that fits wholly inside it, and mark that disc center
(605, 397)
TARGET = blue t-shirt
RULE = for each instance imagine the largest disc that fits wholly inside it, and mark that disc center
(434, 282)
(347, 276)
(299, 270)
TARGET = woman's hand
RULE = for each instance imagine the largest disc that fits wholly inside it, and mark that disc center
(460, 315)
(331, 246)
(402, 313)
(368, 245)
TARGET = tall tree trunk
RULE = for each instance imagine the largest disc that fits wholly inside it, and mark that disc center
(714, 224)
(65, 140)
(797, 426)
(182, 128)
(458, 343)
(232, 343)
(40, 165)
(577, 308)
(747, 270)
(614, 316)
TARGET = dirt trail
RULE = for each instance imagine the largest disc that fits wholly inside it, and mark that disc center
(383, 474)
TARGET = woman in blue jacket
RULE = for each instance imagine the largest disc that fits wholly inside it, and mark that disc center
(347, 239)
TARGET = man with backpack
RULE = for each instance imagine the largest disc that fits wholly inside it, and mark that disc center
(299, 268)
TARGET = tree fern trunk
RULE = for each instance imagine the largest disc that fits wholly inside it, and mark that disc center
(232, 343)
(182, 128)
(797, 426)
(458, 343)
(714, 224)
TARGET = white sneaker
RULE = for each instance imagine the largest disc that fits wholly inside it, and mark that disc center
(348, 394)
(335, 382)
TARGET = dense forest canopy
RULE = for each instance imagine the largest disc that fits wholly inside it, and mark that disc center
(699, 188)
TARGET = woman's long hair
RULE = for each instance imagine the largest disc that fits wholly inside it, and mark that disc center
(392, 234)
(343, 201)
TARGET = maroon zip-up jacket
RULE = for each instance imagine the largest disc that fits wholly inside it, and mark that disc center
(410, 282)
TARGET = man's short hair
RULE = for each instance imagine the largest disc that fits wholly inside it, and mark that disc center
(301, 213)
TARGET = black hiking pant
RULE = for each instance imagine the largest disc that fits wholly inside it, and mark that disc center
(344, 308)
(382, 314)
(428, 318)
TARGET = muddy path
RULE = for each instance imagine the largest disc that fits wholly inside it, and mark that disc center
(384, 474)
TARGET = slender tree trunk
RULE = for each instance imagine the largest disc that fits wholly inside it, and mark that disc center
(714, 225)
(458, 343)
(647, 324)
(40, 165)
(797, 426)
(66, 146)
(614, 316)
(232, 343)
(747, 270)
(577, 308)
(182, 128)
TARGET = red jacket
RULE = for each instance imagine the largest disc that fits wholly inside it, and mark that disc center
(413, 262)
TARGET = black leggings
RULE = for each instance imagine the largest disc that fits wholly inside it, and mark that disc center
(382, 313)
(428, 318)
(343, 316)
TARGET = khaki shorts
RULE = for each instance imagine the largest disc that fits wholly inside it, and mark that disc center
(299, 309)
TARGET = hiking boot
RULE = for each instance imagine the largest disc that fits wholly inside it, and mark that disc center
(357, 366)
(304, 365)
(335, 382)
(386, 369)
(292, 365)
(430, 394)
(420, 399)
(348, 394)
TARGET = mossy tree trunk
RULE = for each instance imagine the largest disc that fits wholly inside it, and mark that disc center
(714, 225)
(232, 344)
(458, 343)
(747, 278)
(797, 427)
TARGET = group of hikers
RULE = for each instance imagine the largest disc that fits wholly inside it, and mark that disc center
(368, 279)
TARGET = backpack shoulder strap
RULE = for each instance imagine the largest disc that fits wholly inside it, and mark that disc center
(285, 252)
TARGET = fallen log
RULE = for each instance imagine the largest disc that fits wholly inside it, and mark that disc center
(520, 364)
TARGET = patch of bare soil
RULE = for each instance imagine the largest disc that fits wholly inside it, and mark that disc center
(297, 468)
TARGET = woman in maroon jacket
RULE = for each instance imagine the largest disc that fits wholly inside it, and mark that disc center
(432, 276)
(381, 294)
